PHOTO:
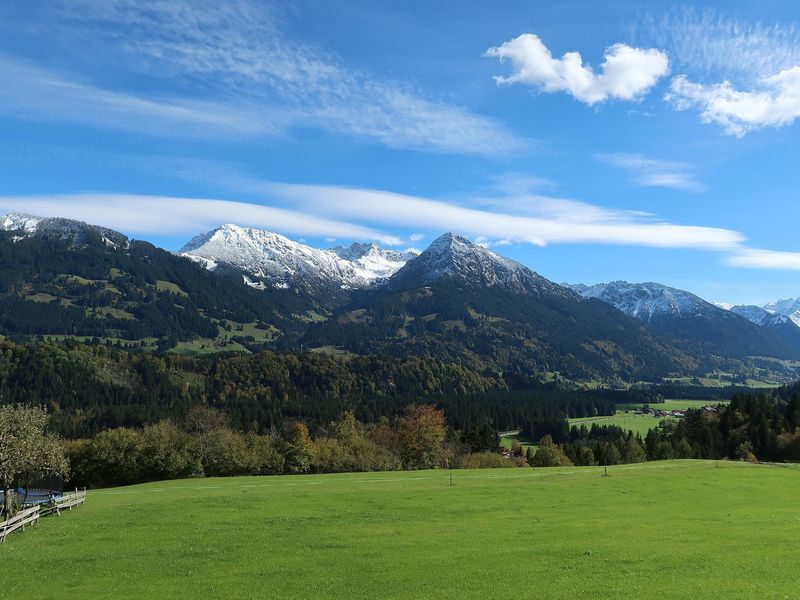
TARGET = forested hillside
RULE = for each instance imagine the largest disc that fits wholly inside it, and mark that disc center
(134, 292)
(89, 388)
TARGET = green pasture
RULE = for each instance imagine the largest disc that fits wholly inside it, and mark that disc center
(640, 424)
(678, 529)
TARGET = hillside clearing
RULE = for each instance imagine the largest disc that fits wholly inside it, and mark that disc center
(666, 529)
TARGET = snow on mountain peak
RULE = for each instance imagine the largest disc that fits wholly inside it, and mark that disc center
(265, 256)
(19, 222)
(788, 307)
(759, 316)
(646, 301)
(67, 229)
(451, 255)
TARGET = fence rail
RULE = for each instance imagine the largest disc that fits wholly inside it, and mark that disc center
(30, 516)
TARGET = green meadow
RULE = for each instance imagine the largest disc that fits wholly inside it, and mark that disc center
(663, 529)
(641, 424)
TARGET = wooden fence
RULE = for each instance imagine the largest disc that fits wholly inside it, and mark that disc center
(30, 516)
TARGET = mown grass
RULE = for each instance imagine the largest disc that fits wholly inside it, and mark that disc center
(677, 529)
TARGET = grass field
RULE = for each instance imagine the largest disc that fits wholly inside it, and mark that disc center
(640, 424)
(670, 529)
(676, 404)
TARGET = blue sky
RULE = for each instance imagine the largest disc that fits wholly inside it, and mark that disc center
(643, 141)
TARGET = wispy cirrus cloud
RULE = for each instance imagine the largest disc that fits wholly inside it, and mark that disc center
(232, 68)
(30, 92)
(651, 172)
(626, 74)
(717, 45)
(740, 75)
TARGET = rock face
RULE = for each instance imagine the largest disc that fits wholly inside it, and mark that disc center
(265, 258)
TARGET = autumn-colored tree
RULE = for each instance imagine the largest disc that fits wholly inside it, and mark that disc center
(422, 431)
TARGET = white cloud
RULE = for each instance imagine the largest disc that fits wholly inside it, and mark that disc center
(148, 215)
(765, 259)
(252, 77)
(626, 74)
(322, 211)
(650, 172)
(739, 74)
(415, 237)
(775, 101)
(546, 220)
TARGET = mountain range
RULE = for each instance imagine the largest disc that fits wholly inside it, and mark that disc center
(709, 327)
(236, 288)
(263, 258)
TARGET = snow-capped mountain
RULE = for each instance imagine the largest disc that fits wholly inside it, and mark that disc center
(65, 229)
(451, 255)
(789, 307)
(759, 315)
(265, 258)
(647, 301)
(685, 316)
(373, 263)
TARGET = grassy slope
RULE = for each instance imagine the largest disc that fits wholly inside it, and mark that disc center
(678, 529)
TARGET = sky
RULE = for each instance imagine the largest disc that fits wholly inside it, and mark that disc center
(638, 141)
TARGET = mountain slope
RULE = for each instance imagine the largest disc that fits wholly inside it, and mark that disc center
(266, 259)
(684, 316)
(459, 301)
(66, 278)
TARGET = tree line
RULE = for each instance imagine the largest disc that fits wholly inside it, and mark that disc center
(751, 427)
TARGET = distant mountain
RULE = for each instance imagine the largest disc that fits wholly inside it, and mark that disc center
(243, 289)
(759, 316)
(461, 302)
(788, 308)
(77, 233)
(685, 316)
(266, 259)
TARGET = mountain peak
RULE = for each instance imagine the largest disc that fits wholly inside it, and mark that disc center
(456, 257)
